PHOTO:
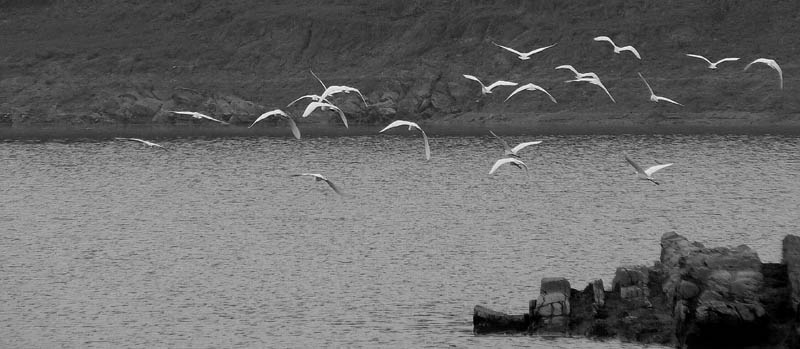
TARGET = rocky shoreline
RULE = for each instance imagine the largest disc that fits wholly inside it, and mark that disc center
(694, 297)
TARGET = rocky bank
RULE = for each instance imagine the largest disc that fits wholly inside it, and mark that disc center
(123, 62)
(694, 297)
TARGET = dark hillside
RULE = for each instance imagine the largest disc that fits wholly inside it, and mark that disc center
(117, 61)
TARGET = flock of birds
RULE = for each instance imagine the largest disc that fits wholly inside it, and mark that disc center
(511, 156)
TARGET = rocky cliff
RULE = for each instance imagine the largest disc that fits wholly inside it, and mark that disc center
(694, 297)
(127, 61)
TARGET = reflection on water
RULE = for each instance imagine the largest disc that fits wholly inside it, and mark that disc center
(214, 244)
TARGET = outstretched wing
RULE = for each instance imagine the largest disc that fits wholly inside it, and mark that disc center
(399, 123)
(268, 114)
(427, 146)
(632, 50)
(506, 147)
(501, 83)
(473, 78)
(699, 56)
(313, 97)
(539, 50)
(523, 145)
(333, 186)
(635, 165)
(726, 60)
(509, 49)
(668, 100)
(569, 67)
(655, 168)
(645, 82)
(504, 161)
(604, 38)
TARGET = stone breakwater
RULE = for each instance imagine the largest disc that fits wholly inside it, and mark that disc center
(694, 297)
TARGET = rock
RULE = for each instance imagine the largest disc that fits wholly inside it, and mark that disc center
(552, 307)
(485, 320)
(791, 257)
(598, 292)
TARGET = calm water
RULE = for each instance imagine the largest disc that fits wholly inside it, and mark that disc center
(213, 244)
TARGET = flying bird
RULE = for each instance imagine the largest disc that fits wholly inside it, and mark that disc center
(314, 98)
(488, 89)
(411, 125)
(197, 115)
(339, 89)
(648, 173)
(512, 161)
(712, 65)
(283, 115)
(618, 49)
(322, 105)
(530, 87)
(318, 177)
(772, 64)
(147, 143)
(508, 151)
(578, 75)
(594, 81)
(524, 56)
(318, 79)
(653, 96)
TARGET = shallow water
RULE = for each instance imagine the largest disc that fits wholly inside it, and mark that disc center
(213, 243)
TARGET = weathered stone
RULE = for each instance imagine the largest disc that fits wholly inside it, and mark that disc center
(687, 290)
(791, 257)
(485, 320)
(598, 292)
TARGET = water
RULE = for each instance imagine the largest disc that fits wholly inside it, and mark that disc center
(213, 244)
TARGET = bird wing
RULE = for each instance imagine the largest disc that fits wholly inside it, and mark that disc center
(599, 83)
(341, 115)
(474, 79)
(191, 113)
(339, 89)
(204, 116)
(398, 123)
(588, 75)
(655, 168)
(316, 175)
(509, 49)
(569, 67)
(699, 56)
(523, 145)
(268, 114)
(648, 85)
(293, 126)
(504, 161)
(318, 79)
(605, 38)
(314, 97)
(668, 100)
(518, 90)
(333, 186)
(633, 50)
(506, 147)
(427, 146)
(501, 83)
(539, 50)
(635, 166)
(314, 105)
(726, 60)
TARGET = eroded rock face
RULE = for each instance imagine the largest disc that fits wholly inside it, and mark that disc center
(552, 307)
(791, 257)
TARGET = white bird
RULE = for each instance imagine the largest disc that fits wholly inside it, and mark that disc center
(594, 81)
(322, 105)
(772, 64)
(512, 161)
(339, 89)
(283, 115)
(508, 151)
(712, 65)
(318, 177)
(147, 143)
(618, 49)
(488, 89)
(411, 125)
(197, 115)
(648, 173)
(578, 75)
(653, 96)
(531, 87)
(524, 56)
